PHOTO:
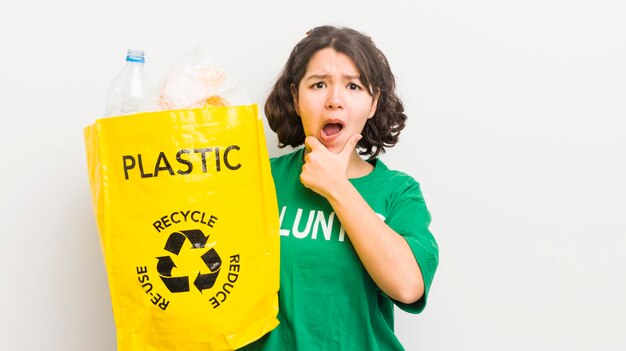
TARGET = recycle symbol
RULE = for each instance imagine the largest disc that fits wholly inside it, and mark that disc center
(174, 245)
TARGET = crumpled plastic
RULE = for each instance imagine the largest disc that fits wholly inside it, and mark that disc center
(196, 81)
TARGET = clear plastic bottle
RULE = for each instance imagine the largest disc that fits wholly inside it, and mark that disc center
(129, 90)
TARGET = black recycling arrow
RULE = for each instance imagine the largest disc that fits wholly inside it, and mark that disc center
(205, 281)
(196, 237)
(212, 260)
(175, 242)
(165, 265)
(176, 284)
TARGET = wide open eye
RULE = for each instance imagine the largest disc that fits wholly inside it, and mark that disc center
(354, 86)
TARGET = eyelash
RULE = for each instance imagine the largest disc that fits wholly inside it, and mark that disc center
(354, 86)
(320, 85)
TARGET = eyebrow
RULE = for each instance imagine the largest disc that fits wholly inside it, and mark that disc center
(324, 76)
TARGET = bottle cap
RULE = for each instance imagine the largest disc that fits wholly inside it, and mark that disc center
(135, 56)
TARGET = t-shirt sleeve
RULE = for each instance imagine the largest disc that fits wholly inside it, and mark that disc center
(410, 218)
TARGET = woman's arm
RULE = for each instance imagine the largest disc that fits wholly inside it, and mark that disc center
(384, 253)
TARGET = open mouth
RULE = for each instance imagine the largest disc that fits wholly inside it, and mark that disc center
(332, 128)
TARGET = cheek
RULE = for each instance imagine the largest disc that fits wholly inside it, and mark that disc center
(362, 125)
(364, 114)
(307, 103)
(307, 110)
(306, 125)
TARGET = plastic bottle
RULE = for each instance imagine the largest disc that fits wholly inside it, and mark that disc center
(129, 90)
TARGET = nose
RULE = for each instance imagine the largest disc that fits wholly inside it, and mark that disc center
(334, 100)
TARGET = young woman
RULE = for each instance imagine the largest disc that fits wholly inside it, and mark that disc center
(354, 234)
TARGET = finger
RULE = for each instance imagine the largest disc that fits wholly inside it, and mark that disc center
(312, 143)
(348, 149)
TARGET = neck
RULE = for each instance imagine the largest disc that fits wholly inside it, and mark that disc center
(358, 167)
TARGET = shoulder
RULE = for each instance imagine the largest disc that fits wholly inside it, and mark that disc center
(287, 162)
(284, 158)
(401, 182)
(402, 194)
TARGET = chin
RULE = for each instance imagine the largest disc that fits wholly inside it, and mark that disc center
(335, 149)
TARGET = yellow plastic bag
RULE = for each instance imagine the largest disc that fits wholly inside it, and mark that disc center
(187, 214)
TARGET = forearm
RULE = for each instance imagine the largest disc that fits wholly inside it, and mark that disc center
(385, 254)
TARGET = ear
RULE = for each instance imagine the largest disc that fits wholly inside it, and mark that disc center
(294, 96)
(374, 104)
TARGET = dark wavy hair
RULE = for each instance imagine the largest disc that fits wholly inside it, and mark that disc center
(380, 131)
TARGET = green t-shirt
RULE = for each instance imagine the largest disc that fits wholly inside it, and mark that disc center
(327, 299)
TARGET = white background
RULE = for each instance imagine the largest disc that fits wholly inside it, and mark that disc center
(516, 131)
